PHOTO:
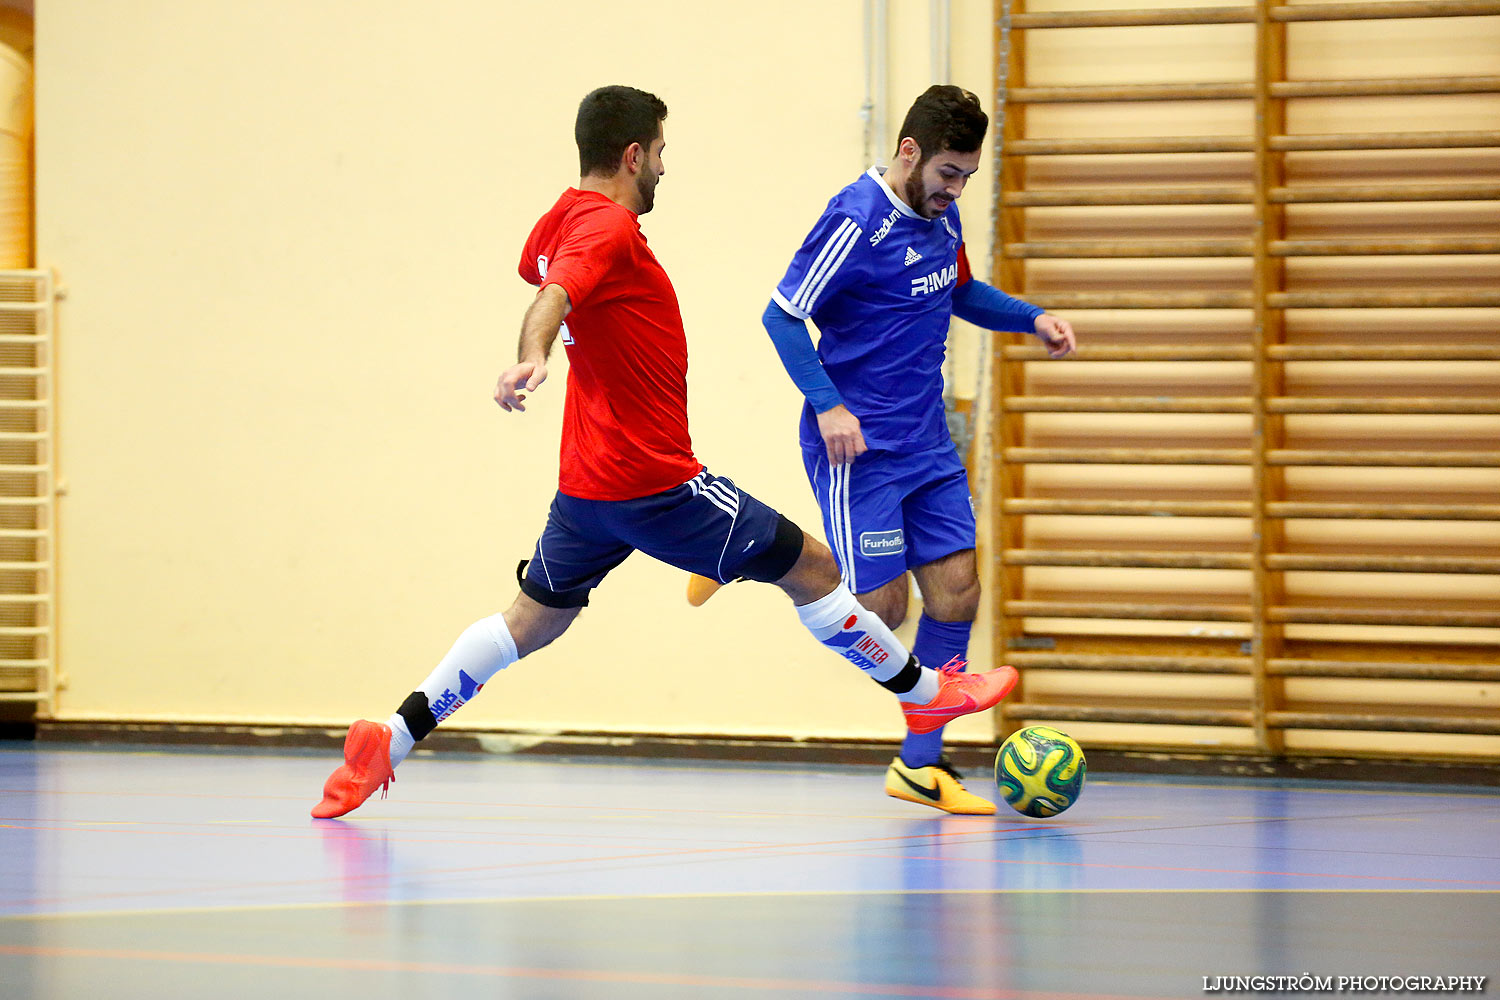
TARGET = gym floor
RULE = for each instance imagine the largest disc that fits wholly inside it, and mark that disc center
(198, 873)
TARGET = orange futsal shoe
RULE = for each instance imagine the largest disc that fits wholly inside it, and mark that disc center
(366, 767)
(959, 694)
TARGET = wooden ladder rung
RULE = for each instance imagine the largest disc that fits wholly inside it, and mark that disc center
(1143, 300)
(25, 630)
(1385, 722)
(1143, 560)
(1144, 664)
(1240, 14)
(1385, 9)
(1363, 248)
(1384, 300)
(1090, 249)
(23, 696)
(1383, 670)
(1128, 456)
(1359, 459)
(1141, 194)
(1116, 146)
(1134, 714)
(1387, 140)
(1443, 618)
(1382, 88)
(1132, 92)
(1371, 404)
(1383, 564)
(1129, 508)
(1128, 404)
(24, 664)
(1387, 511)
(1152, 352)
(1128, 612)
(1331, 193)
(1376, 352)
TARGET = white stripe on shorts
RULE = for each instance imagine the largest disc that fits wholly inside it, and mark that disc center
(724, 493)
(841, 534)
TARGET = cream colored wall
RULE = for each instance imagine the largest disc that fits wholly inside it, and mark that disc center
(288, 231)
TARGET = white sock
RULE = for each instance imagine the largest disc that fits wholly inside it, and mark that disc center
(479, 653)
(926, 689)
(401, 739)
(842, 624)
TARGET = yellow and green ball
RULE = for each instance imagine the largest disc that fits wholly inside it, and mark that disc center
(1040, 771)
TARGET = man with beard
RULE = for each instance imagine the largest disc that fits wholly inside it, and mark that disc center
(628, 478)
(881, 274)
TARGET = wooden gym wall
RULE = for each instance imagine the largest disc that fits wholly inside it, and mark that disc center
(1260, 511)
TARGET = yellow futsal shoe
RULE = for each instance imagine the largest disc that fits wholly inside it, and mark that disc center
(937, 785)
(700, 589)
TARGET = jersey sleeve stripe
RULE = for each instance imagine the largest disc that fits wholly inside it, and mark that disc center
(825, 256)
(784, 303)
(811, 299)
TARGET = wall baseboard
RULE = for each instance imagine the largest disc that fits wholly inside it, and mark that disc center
(977, 759)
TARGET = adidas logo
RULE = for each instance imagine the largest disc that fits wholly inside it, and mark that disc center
(912, 256)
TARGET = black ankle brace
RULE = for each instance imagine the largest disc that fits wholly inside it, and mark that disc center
(906, 679)
(417, 715)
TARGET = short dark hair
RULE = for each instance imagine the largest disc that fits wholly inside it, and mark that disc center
(945, 117)
(609, 120)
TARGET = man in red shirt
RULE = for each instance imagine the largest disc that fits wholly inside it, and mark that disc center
(628, 479)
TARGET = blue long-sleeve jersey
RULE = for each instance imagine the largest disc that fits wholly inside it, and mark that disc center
(881, 283)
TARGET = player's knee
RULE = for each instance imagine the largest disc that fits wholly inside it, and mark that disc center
(888, 604)
(814, 575)
(954, 605)
(780, 557)
(533, 624)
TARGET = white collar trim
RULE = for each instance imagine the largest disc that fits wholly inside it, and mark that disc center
(877, 174)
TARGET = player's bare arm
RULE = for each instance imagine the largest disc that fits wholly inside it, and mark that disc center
(539, 330)
(841, 435)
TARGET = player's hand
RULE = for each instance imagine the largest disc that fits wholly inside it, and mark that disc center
(1056, 335)
(841, 435)
(526, 375)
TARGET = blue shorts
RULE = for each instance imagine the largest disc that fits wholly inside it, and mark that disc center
(706, 526)
(892, 511)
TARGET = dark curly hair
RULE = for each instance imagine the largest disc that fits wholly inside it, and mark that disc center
(945, 117)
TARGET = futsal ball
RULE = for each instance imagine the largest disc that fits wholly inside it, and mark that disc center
(1040, 771)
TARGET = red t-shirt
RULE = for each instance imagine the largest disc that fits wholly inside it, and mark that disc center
(625, 429)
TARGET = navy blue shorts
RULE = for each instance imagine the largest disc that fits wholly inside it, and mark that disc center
(706, 526)
(892, 511)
